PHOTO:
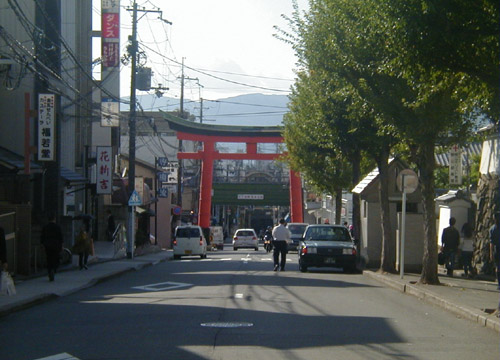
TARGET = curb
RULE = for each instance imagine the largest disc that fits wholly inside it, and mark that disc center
(40, 299)
(427, 296)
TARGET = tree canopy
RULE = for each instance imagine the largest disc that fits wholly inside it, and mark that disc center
(371, 73)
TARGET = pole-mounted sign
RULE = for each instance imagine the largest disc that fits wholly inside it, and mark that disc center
(407, 182)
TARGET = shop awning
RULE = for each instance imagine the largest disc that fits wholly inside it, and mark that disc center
(71, 177)
(14, 163)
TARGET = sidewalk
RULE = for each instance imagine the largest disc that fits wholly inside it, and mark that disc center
(70, 279)
(472, 299)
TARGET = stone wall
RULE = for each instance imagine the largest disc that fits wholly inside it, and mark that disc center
(488, 204)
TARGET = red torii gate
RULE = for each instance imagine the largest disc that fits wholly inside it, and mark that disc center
(211, 134)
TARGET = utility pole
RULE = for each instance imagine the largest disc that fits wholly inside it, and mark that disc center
(131, 124)
(132, 49)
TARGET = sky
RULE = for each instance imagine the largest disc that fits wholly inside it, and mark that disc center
(227, 39)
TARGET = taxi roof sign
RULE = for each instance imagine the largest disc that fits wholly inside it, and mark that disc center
(135, 199)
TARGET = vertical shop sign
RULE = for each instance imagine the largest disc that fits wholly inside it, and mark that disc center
(455, 170)
(46, 127)
(104, 170)
(110, 32)
(110, 112)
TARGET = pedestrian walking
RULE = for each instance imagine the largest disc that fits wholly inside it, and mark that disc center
(281, 236)
(466, 249)
(52, 239)
(83, 247)
(495, 247)
(450, 240)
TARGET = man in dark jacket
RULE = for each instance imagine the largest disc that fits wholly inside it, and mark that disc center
(450, 239)
(52, 240)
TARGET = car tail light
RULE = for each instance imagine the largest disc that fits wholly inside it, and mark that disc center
(254, 238)
(174, 242)
(349, 251)
(201, 240)
(235, 238)
(303, 251)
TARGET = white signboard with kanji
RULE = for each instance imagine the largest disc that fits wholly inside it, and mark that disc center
(104, 170)
(46, 127)
(455, 165)
(110, 112)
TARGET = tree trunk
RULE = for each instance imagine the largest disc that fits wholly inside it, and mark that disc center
(338, 205)
(356, 203)
(426, 165)
(387, 259)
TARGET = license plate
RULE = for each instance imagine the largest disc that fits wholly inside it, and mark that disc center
(330, 261)
(188, 252)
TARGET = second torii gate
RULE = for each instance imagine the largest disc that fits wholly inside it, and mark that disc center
(211, 134)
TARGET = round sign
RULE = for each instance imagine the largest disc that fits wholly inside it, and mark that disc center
(176, 210)
(410, 179)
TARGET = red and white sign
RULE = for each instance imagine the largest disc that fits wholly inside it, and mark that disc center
(110, 33)
(110, 26)
(104, 170)
(110, 54)
(46, 127)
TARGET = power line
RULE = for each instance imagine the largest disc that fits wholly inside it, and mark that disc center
(217, 77)
(247, 104)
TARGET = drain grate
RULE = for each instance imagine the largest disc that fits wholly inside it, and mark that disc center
(227, 324)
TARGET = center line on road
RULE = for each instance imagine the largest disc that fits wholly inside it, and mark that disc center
(238, 296)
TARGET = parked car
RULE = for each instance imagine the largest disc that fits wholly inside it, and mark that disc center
(189, 241)
(245, 238)
(297, 231)
(327, 246)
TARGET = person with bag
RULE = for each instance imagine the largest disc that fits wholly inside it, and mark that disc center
(52, 240)
(450, 240)
(83, 247)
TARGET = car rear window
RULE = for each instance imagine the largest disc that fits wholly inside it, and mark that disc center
(297, 229)
(244, 233)
(327, 234)
(188, 232)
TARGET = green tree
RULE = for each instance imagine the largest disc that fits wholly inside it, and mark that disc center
(342, 117)
(368, 46)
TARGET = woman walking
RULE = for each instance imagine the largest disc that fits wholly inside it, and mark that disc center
(83, 247)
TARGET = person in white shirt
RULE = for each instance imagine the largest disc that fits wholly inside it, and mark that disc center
(467, 248)
(281, 236)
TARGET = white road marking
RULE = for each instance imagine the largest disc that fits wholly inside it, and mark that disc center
(61, 356)
(238, 296)
(162, 286)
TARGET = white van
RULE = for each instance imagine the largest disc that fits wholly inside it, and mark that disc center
(189, 241)
(217, 237)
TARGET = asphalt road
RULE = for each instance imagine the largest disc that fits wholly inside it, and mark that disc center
(232, 306)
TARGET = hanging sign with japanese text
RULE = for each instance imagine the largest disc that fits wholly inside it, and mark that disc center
(110, 33)
(104, 183)
(110, 112)
(46, 127)
(455, 165)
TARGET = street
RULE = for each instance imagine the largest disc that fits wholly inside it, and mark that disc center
(233, 306)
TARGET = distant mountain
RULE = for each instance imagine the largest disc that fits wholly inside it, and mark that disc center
(242, 110)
